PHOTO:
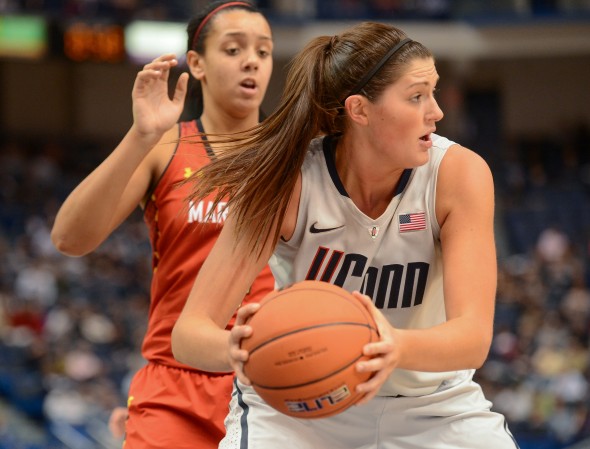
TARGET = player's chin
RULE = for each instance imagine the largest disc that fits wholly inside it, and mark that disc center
(248, 99)
(422, 157)
(244, 107)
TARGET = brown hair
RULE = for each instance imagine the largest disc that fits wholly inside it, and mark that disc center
(258, 169)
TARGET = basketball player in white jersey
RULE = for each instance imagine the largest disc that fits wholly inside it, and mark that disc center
(379, 205)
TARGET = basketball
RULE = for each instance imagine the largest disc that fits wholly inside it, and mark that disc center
(305, 343)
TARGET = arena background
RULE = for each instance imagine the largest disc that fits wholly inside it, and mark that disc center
(515, 87)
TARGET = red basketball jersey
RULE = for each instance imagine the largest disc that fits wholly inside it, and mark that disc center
(182, 235)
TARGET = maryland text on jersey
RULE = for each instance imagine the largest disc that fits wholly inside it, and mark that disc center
(202, 212)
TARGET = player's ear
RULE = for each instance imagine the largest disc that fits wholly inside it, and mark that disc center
(195, 64)
(356, 108)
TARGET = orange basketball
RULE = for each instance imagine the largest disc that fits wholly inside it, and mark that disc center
(305, 343)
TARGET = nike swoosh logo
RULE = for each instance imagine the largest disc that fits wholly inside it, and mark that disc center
(315, 230)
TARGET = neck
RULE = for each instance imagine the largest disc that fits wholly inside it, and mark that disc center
(215, 122)
(370, 186)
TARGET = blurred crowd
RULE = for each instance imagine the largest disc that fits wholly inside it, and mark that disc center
(538, 370)
(71, 328)
(124, 10)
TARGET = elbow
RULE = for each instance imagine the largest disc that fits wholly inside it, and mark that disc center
(479, 360)
(482, 351)
(178, 348)
(67, 246)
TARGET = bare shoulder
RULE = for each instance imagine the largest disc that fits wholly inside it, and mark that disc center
(464, 177)
(462, 167)
(459, 157)
(157, 160)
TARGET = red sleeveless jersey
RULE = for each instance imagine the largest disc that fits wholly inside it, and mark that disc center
(181, 236)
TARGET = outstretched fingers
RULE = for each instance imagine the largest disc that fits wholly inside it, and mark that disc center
(161, 65)
(157, 70)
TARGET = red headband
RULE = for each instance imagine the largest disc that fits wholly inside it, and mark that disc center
(212, 13)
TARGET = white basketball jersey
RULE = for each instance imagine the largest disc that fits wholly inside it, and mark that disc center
(395, 259)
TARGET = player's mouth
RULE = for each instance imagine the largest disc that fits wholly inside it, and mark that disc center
(426, 140)
(249, 85)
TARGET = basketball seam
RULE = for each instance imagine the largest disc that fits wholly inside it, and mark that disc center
(346, 297)
(315, 326)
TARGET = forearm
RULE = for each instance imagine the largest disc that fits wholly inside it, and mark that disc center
(86, 217)
(461, 343)
(199, 338)
(202, 345)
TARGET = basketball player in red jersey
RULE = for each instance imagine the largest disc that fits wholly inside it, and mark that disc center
(230, 46)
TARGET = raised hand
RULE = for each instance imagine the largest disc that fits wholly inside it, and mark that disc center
(154, 112)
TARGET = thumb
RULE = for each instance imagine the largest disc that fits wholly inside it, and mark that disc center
(181, 88)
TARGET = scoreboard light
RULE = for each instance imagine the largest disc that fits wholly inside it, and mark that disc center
(94, 42)
(23, 37)
(146, 40)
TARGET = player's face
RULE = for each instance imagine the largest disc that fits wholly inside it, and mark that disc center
(237, 64)
(405, 115)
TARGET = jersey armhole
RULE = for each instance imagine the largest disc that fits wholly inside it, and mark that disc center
(154, 186)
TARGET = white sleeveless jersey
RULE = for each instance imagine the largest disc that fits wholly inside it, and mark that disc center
(395, 259)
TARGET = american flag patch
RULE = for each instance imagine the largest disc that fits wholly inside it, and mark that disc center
(412, 222)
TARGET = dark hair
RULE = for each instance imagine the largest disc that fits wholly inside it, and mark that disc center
(258, 170)
(202, 24)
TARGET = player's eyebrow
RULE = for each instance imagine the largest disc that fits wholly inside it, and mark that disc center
(425, 83)
(241, 34)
